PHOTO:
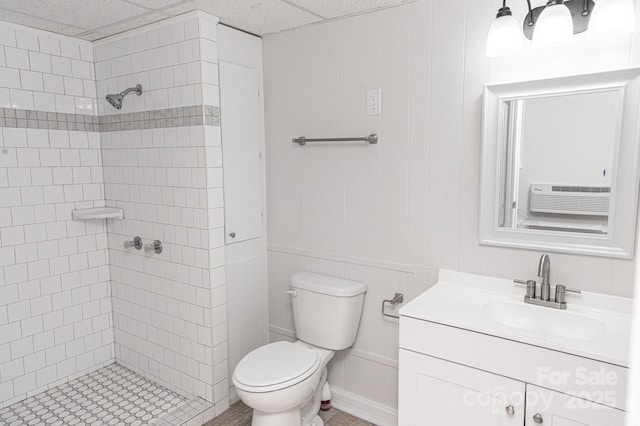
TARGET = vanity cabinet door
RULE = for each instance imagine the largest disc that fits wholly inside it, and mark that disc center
(434, 392)
(549, 408)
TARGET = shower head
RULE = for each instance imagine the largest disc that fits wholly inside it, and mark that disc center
(116, 99)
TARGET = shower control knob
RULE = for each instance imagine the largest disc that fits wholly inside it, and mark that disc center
(155, 247)
(232, 235)
(135, 243)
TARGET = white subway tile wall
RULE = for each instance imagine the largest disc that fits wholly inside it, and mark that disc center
(167, 326)
(56, 316)
(55, 304)
(48, 73)
(167, 60)
(55, 297)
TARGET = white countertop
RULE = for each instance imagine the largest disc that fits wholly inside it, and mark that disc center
(473, 302)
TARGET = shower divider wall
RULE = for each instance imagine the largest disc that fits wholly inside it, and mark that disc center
(161, 165)
(161, 162)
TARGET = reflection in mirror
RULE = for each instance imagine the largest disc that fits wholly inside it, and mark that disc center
(561, 164)
(559, 161)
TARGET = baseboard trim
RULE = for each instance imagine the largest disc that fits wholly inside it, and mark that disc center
(371, 411)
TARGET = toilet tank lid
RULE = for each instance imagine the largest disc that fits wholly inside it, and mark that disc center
(327, 284)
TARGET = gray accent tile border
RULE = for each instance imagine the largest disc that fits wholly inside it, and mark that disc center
(198, 115)
(31, 119)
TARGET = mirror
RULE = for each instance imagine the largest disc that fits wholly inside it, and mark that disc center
(560, 164)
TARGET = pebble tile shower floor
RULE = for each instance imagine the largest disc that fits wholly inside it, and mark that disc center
(113, 395)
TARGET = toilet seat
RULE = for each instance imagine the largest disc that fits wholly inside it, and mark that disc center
(275, 366)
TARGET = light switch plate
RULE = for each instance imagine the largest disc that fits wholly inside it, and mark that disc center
(374, 101)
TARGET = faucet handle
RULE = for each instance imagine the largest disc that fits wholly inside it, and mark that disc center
(135, 243)
(155, 247)
(531, 287)
(571, 290)
(560, 293)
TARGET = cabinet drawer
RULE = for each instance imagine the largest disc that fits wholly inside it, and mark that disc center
(547, 368)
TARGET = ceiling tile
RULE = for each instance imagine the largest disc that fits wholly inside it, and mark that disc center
(91, 13)
(131, 24)
(91, 36)
(31, 21)
(337, 8)
(255, 16)
(95, 19)
(155, 4)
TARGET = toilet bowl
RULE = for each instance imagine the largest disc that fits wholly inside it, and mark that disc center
(283, 381)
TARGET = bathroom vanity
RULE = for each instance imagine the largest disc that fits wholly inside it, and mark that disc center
(473, 353)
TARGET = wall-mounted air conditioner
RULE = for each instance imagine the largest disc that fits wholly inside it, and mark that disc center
(566, 199)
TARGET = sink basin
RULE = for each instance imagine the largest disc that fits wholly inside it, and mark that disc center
(594, 326)
(546, 321)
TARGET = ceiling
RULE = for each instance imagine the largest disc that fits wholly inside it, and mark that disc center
(96, 19)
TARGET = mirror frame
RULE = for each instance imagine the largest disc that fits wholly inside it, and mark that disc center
(619, 241)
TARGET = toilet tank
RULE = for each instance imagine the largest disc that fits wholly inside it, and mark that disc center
(326, 309)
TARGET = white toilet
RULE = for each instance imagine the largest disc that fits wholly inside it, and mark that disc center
(282, 381)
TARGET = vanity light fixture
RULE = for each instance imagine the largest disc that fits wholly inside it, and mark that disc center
(554, 26)
(505, 37)
(556, 22)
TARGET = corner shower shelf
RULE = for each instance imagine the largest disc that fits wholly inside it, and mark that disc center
(98, 213)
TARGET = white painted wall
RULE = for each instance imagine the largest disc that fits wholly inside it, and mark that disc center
(245, 260)
(392, 214)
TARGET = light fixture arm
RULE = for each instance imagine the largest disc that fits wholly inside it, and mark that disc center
(530, 15)
(580, 12)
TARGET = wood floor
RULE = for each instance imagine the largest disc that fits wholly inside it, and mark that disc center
(240, 415)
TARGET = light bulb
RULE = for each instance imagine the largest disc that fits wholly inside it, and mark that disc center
(554, 27)
(611, 18)
(505, 35)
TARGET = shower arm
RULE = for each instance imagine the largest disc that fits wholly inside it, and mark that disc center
(137, 89)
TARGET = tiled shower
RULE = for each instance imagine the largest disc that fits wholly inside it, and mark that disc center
(77, 306)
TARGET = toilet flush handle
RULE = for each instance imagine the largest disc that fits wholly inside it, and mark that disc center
(293, 293)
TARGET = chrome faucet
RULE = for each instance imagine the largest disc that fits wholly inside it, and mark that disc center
(544, 270)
